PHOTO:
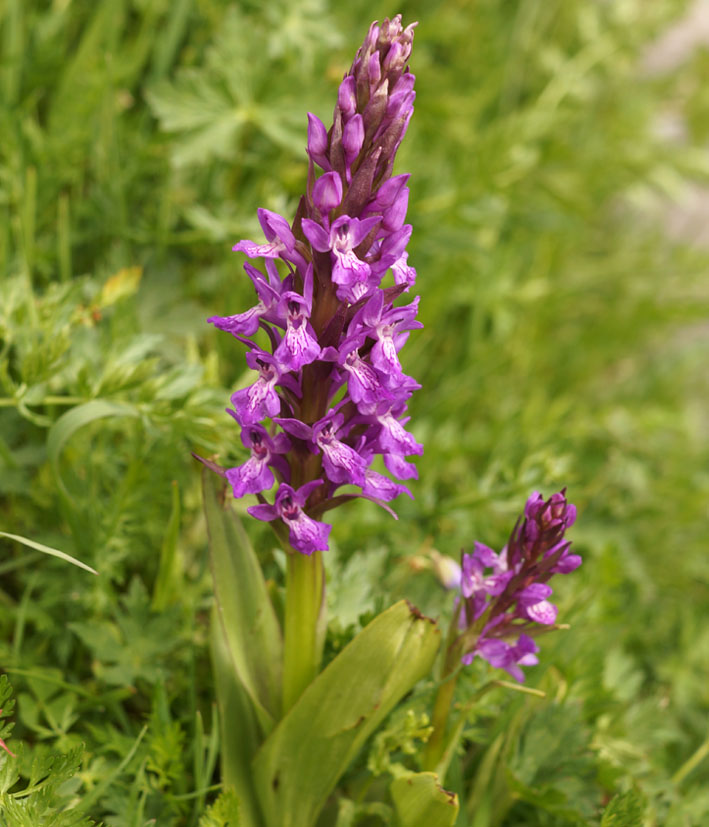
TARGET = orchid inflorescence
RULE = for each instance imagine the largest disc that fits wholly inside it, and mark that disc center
(330, 380)
(503, 597)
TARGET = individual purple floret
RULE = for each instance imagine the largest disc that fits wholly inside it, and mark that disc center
(255, 475)
(305, 534)
(507, 656)
(280, 240)
(503, 597)
(329, 394)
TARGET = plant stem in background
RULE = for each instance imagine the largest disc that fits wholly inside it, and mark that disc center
(444, 696)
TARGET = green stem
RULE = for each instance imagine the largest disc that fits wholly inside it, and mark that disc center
(435, 746)
(12, 402)
(444, 700)
(693, 761)
(304, 624)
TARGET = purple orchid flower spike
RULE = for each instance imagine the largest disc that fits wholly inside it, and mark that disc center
(532, 604)
(393, 438)
(347, 97)
(352, 141)
(364, 382)
(385, 255)
(334, 332)
(305, 534)
(403, 273)
(379, 485)
(299, 346)
(475, 581)
(504, 596)
(343, 464)
(400, 468)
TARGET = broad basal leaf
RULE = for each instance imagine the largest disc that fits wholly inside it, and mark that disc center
(421, 802)
(306, 754)
(244, 608)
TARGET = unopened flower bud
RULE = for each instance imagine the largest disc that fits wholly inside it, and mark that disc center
(353, 137)
(327, 192)
(346, 98)
(317, 140)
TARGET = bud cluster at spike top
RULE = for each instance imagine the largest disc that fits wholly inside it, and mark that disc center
(504, 596)
(330, 386)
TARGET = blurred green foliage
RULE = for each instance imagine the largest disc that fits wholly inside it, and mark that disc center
(565, 344)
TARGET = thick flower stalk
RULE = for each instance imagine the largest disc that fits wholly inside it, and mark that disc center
(329, 393)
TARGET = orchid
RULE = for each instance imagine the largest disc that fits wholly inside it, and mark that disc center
(504, 596)
(330, 322)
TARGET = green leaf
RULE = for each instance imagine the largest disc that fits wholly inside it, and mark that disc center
(253, 636)
(238, 728)
(421, 802)
(90, 798)
(166, 582)
(351, 813)
(312, 746)
(626, 810)
(42, 800)
(48, 550)
(198, 107)
(72, 421)
(223, 813)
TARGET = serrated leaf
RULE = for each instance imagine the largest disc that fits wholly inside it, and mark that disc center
(198, 107)
(223, 813)
(252, 632)
(193, 101)
(626, 810)
(421, 802)
(300, 763)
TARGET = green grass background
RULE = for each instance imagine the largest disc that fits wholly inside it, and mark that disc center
(565, 344)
